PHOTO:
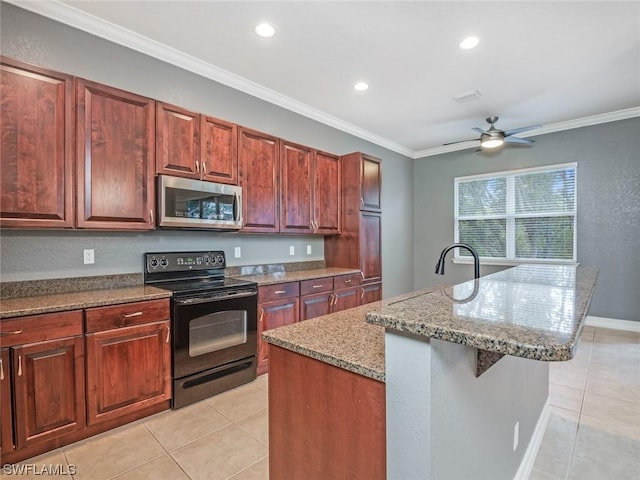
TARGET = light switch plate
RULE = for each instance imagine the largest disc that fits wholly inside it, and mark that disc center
(237, 253)
(308, 249)
(292, 250)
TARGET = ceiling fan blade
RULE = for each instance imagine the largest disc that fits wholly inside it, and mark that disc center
(521, 141)
(479, 130)
(522, 129)
(461, 141)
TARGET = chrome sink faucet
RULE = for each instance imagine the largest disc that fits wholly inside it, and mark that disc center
(476, 259)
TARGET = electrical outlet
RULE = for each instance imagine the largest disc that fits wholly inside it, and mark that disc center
(89, 257)
(308, 249)
(516, 435)
(292, 250)
(237, 253)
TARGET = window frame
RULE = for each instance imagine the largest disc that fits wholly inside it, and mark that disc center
(510, 216)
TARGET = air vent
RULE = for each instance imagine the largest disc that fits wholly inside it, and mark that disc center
(467, 96)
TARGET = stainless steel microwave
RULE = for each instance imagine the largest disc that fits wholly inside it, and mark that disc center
(188, 203)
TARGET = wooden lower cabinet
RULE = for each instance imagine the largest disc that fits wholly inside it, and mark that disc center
(324, 422)
(48, 389)
(315, 305)
(345, 298)
(6, 409)
(127, 369)
(370, 292)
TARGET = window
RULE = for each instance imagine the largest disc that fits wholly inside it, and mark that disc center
(518, 216)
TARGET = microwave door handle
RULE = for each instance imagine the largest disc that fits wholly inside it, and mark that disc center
(237, 208)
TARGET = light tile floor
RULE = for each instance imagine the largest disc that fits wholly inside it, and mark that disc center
(593, 431)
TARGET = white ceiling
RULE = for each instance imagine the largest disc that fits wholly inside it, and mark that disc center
(557, 63)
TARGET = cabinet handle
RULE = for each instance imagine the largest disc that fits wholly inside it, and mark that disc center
(1, 370)
(129, 315)
(362, 275)
(362, 294)
(197, 167)
(317, 286)
(6, 334)
(362, 201)
(168, 330)
(279, 292)
(151, 216)
(204, 168)
(19, 365)
(334, 299)
(347, 281)
(261, 315)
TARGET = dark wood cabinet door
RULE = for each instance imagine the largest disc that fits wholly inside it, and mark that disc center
(128, 369)
(177, 141)
(327, 196)
(296, 180)
(370, 292)
(371, 185)
(48, 389)
(315, 305)
(37, 157)
(219, 153)
(6, 409)
(272, 315)
(370, 246)
(345, 298)
(258, 172)
(115, 158)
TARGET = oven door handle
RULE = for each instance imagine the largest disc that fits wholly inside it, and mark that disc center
(213, 298)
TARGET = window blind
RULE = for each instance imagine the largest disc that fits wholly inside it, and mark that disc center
(524, 215)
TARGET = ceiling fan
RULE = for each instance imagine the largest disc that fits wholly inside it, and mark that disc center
(494, 137)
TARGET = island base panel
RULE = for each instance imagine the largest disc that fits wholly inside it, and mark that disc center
(324, 422)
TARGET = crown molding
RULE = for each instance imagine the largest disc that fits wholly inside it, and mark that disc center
(76, 18)
(551, 128)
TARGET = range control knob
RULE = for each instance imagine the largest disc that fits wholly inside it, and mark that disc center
(164, 263)
(219, 260)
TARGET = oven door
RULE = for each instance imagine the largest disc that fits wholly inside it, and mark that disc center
(211, 330)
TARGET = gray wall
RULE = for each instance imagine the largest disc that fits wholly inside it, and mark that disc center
(28, 255)
(608, 224)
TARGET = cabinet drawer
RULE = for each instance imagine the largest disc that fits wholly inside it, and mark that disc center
(346, 281)
(317, 285)
(277, 291)
(127, 314)
(39, 328)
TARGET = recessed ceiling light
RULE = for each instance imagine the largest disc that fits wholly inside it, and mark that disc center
(265, 30)
(361, 86)
(469, 43)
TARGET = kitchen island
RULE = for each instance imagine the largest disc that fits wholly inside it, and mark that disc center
(463, 388)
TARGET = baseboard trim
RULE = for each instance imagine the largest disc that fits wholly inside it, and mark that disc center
(526, 465)
(613, 323)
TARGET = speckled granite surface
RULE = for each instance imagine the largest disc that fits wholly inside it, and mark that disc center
(273, 268)
(530, 311)
(65, 285)
(343, 339)
(294, 276)
(58, 302)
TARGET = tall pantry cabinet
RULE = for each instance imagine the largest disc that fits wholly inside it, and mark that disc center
(360, 244)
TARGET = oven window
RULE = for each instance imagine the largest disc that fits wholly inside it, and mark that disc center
(217, 331)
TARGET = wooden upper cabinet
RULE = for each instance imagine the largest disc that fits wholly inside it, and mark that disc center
(327, 193)
(296, 181)
(37, 156)
(370, 184)
(258, 174)
(177, 141)
(219, 151)
(115, 170)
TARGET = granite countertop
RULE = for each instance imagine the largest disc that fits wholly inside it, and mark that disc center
(58, 302)
(298, 275)
(343, 339)
(530, 311)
